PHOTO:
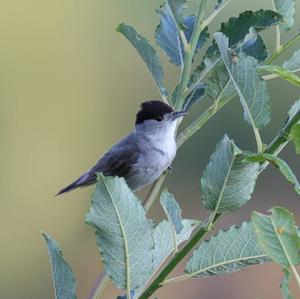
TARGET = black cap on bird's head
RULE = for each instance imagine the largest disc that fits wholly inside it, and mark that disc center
(156, 110)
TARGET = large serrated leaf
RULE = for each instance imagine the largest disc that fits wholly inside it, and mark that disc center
(283, 73)
(294, 62)
(123, 233)
(287, 9)
(277, 235)
(147, 53)
(237, 27)
(280, 164)
(63, 277)
(227, 182)
(230, 250)
(252, 90)
(167, 34)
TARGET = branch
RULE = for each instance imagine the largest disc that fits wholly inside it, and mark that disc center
(283, 48)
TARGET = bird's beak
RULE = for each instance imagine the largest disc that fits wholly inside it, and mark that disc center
(178, 114)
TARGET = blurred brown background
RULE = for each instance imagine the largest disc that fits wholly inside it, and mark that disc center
(70, 87)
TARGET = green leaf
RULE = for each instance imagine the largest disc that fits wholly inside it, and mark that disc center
(252, 90)
(277, 235)
(63, 277)
(227, 182)
(164, 242)
(282, 72)
(219, 84)
(285, 285)
(294, 62)
(194, 96)
(295, 133)
(278, 163)
(172, 210)
(168, 38)
(163, 239)
(253, 45)
(123, 233)
(230, 250)
(178, 8)
(237, 27)
(287, 9)
(147, 53)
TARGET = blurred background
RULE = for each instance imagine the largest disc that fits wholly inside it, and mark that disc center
(70, 86)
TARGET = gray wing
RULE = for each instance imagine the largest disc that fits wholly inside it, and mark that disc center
(118, 161)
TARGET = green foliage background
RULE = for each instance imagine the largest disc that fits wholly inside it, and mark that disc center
(70, 87)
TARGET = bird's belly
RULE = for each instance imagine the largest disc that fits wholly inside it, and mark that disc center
(149, 169)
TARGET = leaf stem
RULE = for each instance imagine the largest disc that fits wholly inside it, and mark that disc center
(184, 41)
(258, 140)
(277, 28)
(178, 257)
(214, 14)
(101, 283)
(153, 192)
(274, 76)
(188, 59)
(278, 52)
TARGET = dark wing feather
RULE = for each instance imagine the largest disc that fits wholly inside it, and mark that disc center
(118, 161)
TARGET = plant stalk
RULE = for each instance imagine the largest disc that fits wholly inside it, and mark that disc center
(101, 283)
(277, 28)
(283, 48)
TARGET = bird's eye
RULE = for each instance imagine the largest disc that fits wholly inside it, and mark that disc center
(159, 118)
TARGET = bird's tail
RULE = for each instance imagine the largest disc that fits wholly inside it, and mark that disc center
(85, 180)
(70, 187)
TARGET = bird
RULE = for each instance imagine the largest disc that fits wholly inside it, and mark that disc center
(144, 154)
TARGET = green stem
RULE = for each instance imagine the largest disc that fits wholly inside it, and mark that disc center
(258, 140)
(283, 49)
(154, 190)
(102, 282)
(188, 59)
(274, 76)
(178, 257)
(277, 28)
(281, 139)
(283, 135)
